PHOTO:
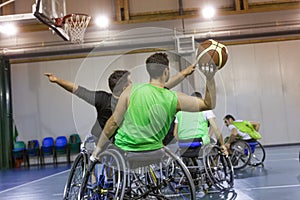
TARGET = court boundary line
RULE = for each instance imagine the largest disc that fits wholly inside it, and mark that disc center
(35, 181)
(273, 187)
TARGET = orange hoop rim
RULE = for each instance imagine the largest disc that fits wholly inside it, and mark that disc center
(61, 20)
(72, 15)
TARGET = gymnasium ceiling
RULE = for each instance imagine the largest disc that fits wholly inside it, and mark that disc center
(236, 22)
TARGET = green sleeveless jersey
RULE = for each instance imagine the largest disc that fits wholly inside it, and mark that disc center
(247, 127)
(192, 125)
(148, 118)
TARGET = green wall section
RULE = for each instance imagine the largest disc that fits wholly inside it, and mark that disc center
(6, 121)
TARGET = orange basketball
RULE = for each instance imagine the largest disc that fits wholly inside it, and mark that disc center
(212, 51)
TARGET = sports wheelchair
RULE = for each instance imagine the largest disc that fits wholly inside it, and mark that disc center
(245, 153)
(79, 169)
(158, 174)
(208, 166)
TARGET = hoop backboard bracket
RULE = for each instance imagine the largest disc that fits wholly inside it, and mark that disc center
(48, 11)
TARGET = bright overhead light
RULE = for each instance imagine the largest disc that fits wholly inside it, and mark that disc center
(8, 29)
(208, 12)
(102, 21)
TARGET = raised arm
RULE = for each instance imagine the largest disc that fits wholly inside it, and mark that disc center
(194, 104)
(176, 79)
(67, 85)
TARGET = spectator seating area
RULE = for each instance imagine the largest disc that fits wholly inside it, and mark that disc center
(48, 149)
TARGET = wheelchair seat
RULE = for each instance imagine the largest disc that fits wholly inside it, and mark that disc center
(252, 145)
(189, 149)
(144, 158)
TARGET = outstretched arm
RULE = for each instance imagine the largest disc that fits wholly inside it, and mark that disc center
(176, 79)
(67, 85)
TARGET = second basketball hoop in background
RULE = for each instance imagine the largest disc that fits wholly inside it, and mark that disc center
(75, 26)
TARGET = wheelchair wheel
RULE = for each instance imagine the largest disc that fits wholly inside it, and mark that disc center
(177, 182)
(218, 168)
(75, 177)
(258, 154)
(163, 178)
(241, 154)
(105, 178)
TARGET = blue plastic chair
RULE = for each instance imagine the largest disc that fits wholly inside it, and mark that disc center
(47, 149)
(19, 153)
(33, 150)
(61, 148)
(74, 143)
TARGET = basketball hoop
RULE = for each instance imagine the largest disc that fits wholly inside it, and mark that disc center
(75, 26)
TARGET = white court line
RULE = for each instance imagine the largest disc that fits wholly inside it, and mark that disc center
(273, 187)
(276, 160)
(35, 181)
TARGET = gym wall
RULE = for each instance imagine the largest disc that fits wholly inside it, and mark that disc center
(259, 82)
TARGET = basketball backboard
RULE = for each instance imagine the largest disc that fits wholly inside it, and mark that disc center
(49, 11)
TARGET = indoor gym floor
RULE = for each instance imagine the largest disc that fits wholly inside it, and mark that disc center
(278, 180)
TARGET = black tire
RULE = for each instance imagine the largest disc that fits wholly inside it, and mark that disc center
(240, 154)
(258, 155)
(218, 168)
(178, 180)
(76, 175)
(97, 184)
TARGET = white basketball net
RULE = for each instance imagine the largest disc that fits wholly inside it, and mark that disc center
(75, 26)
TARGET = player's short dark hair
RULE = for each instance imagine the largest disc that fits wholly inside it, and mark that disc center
(156, 64)
(117, 81)
(196, 94)
(229, 117)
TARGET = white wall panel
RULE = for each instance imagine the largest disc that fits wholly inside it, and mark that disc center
(259, 82)
(288, 55)
(43, 109)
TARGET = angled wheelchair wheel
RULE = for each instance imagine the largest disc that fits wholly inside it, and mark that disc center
(218, 168)
(177, 182)
(77, 172)
(240, 154)
(258, 154)
(105, 178)
(163, 178)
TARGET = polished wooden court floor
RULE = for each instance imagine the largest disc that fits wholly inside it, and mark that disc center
(278, 180)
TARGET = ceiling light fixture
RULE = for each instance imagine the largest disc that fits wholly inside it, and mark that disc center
(102, 21)
(208, 12)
